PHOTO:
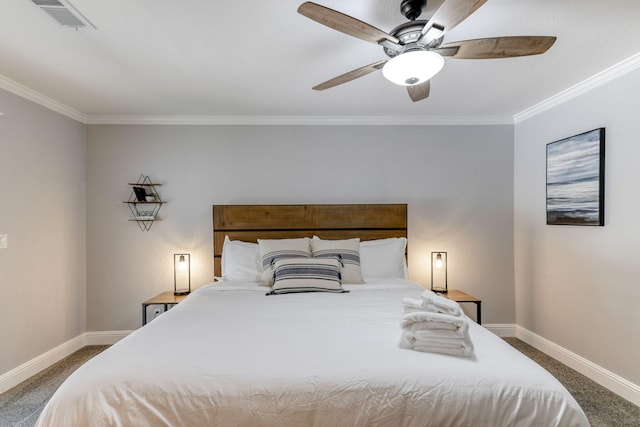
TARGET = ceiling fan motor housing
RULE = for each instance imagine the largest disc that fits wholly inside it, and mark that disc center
(409, 33)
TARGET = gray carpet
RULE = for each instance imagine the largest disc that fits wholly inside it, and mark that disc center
(21, 405)
(603, 407)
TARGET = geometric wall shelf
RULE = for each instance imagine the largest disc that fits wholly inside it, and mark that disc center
(144, 202)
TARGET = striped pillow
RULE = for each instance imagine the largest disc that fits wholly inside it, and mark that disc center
(306, 275)
(272, 250)
(347, 251)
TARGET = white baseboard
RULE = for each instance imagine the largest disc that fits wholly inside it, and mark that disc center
(104, 337)
(37, 364)
(602, 376)
(502, 330)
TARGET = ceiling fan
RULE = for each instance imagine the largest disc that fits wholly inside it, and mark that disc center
(416, 48)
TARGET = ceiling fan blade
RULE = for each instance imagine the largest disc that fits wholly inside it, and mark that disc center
(447, 16)
(419, 92)
(344, 23)
(447, 52)
(500, 47)
(351, 75)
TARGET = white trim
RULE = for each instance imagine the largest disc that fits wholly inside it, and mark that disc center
(37, 364)
(104, 337)
(303, 120)
(34, 96)
(502, 330)
(602, 376)
(621, 68)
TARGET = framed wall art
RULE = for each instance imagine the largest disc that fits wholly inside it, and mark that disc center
(575, 180)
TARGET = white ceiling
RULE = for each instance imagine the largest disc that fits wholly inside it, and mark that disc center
(261, 58)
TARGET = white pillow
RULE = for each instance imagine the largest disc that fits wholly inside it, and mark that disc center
(384, 258)
(240, 261)
(292, 275)
(272, 250)
(347, 251)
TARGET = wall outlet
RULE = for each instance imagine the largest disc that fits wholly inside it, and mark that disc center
(4, 241)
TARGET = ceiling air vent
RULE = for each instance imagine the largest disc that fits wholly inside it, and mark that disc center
(64, 13)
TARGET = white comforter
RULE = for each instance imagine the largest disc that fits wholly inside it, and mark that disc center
(231, 356)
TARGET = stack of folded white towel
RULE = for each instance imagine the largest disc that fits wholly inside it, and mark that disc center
(435, 324)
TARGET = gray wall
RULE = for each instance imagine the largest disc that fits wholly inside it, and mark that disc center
(574, 286)
(457, 181)
(578, 286)
(42, 209)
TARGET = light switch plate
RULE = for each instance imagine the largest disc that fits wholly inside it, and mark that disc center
(4, 241)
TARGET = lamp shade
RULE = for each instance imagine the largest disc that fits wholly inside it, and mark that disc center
(412, 68)
(181, 274)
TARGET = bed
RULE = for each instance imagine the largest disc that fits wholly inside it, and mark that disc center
(229, 355)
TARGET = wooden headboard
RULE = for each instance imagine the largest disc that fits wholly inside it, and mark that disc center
(252, 222)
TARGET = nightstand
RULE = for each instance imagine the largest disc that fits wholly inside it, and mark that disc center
(459, 296)
(165, 298)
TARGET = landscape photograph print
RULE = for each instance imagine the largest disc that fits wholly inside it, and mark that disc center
(575, 180)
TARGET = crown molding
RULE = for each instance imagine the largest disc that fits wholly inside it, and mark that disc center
(43, 100)
(621, 68)
(302, 120)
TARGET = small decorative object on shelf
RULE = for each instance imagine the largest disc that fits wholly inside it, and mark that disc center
(144, 202)
(181, 274)
(439, 272)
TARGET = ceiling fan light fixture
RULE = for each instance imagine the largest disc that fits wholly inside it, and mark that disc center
(413, 67)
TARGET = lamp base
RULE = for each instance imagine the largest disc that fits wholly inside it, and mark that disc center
(439, 291)
(181, 292)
